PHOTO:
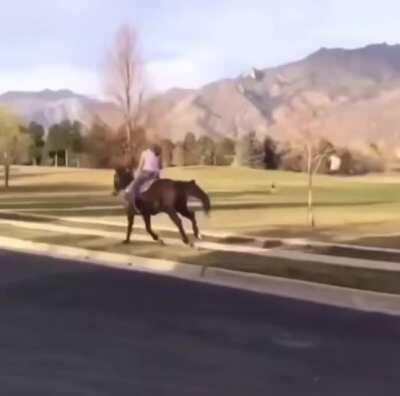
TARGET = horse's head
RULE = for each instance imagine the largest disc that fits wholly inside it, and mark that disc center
(122, 178)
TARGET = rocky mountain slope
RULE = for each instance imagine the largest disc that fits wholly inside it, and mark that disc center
(49, 107)
(358, 89)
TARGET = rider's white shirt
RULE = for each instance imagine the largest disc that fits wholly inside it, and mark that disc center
(151, 162)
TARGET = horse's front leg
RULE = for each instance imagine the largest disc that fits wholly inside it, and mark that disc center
(192, 217)
(130, 214)
(147, 222)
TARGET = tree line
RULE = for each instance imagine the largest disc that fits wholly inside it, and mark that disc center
(72, 144)
(106, 149)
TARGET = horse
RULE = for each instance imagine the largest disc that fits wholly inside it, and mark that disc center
(163, 196)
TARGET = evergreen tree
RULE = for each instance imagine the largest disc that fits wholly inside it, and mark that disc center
(207, 148)
(36, 133)
(225, 151)
(178, 158)
(167, 149)
(191, 149)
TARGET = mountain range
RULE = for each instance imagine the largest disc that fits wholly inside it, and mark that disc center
(49, 107)
(359, 90)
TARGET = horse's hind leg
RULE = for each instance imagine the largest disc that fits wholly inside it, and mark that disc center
(178, 222)
(192, 217)
(130, 214)
(147, 222)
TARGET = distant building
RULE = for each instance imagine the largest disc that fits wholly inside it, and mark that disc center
(335, 163)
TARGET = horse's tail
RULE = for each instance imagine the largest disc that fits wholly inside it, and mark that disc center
(196, 192)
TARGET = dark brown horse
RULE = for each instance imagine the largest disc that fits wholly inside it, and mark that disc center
(164, 195)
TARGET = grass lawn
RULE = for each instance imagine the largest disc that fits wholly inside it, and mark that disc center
(363, 210)
(242, 200)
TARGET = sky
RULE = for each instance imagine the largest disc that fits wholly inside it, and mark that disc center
(60, 44)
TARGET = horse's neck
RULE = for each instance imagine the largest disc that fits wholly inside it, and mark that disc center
(127, 179)
(190, 190)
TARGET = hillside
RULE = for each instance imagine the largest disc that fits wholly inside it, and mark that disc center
(359, 90)
(48, 107)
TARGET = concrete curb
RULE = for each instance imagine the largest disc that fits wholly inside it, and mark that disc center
(283, 287)
(217, 246)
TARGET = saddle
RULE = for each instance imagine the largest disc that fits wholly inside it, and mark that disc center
(146, 186)
(142, 189)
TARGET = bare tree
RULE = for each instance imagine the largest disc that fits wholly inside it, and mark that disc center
(124, 80)
(304, 119)
(316, 152)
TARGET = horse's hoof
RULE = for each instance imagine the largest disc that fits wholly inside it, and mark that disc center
(161, 242)
(126, 242)
(192, 245)
(200, 237)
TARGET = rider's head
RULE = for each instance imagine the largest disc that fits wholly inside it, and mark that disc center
(156, 149)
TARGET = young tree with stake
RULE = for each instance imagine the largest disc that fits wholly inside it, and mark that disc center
(304, 119)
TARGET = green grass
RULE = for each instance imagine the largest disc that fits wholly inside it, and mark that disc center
(242, 200)
(355, 210)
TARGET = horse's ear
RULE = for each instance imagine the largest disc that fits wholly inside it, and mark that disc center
(193, 181)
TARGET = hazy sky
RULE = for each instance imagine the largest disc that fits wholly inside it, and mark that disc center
(62, 43)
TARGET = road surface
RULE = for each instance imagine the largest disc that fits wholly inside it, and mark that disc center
(76, 329)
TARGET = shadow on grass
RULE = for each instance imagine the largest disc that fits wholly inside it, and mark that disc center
(288, 205)
(26, 218)
(223, 206)
(390, 242)
(233, 194)
(53, 188)
(58, 204)
(215, 207)
(329, 233)
(81, 212)
(353, 252)
(23, 175)
(357, 278)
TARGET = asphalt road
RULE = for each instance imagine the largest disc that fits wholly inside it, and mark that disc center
(74, 329)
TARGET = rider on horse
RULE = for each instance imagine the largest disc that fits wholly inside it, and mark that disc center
(149, 168)
(163, 196)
